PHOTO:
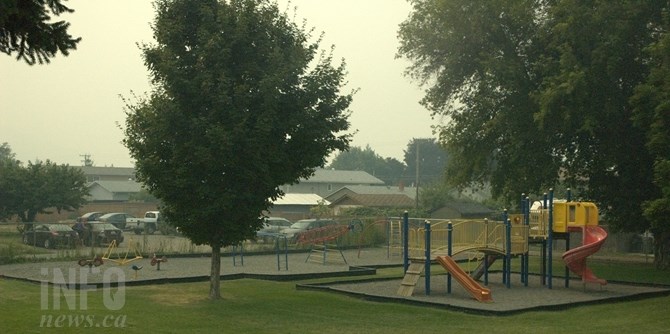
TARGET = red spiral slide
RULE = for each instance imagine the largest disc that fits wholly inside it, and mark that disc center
(575, 259)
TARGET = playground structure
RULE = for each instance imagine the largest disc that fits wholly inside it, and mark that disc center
(323, 240)
(423, 242)
(112, 250)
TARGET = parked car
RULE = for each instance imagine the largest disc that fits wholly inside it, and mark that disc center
(148, 224)
(99, 233)
(272, 225)
(118, 219)
(305, 225)
(90, 216)
(50, 236)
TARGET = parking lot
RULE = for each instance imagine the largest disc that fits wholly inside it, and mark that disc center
(143, 243)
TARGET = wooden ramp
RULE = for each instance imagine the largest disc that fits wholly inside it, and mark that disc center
(411, 278)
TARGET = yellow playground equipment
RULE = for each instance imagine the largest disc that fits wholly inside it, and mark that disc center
(425, 241)
(131, 254)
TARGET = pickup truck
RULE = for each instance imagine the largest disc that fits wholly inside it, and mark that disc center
(148, 224)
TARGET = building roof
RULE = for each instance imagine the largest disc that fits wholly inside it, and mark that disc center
(300, 199)
(373, 190)
(342, 176)
(380, 200)
(115, 171)
(118, 186)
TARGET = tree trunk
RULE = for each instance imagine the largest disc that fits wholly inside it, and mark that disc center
(662, 250)
(215, 274)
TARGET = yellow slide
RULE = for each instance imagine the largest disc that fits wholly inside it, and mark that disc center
(480, 293)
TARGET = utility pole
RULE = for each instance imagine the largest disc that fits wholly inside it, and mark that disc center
(416, 197)
(87, 160)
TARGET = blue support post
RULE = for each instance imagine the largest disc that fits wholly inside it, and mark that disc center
(567, 246)
(526, 220)
(450, 230)
(550, 240)
(567, 270)
(506, 257)
(508, 251)
(543, 269)
(523, 256)
(486, 256)
(405, 242)
(427, 253)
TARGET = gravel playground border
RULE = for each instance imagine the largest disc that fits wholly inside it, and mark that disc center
(294, 266)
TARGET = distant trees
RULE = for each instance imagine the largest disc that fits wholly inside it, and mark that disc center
(243, 103)
(432, 161)
(38, 188)
(389, 170)
(27, 29)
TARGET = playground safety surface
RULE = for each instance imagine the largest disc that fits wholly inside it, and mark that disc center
(293, 266)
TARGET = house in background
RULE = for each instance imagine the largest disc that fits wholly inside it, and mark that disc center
(295, 206)
(119, 191)
(372, 190)
(322, 183)
(347, 201)
(107, 173)
(326, 181)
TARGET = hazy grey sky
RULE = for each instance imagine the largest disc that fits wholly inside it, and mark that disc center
(72, 106)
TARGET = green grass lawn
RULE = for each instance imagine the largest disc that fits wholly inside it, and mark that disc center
(256, 306)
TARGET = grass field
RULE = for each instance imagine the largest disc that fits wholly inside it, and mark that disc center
(256, 306)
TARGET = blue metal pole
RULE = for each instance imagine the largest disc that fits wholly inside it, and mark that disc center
(450, 229)
(505, 263)
(486, 256)
(550, 240)
(427, 252)
(526, 220)
(567, 270)
(508, 242)
(524, 210)
(405, 242)
(543, 274)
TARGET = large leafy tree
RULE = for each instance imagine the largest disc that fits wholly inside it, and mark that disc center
(537, 92)
(39, 188)
(389, 170)
(652, 116)
(243, 103)
(27, 29)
